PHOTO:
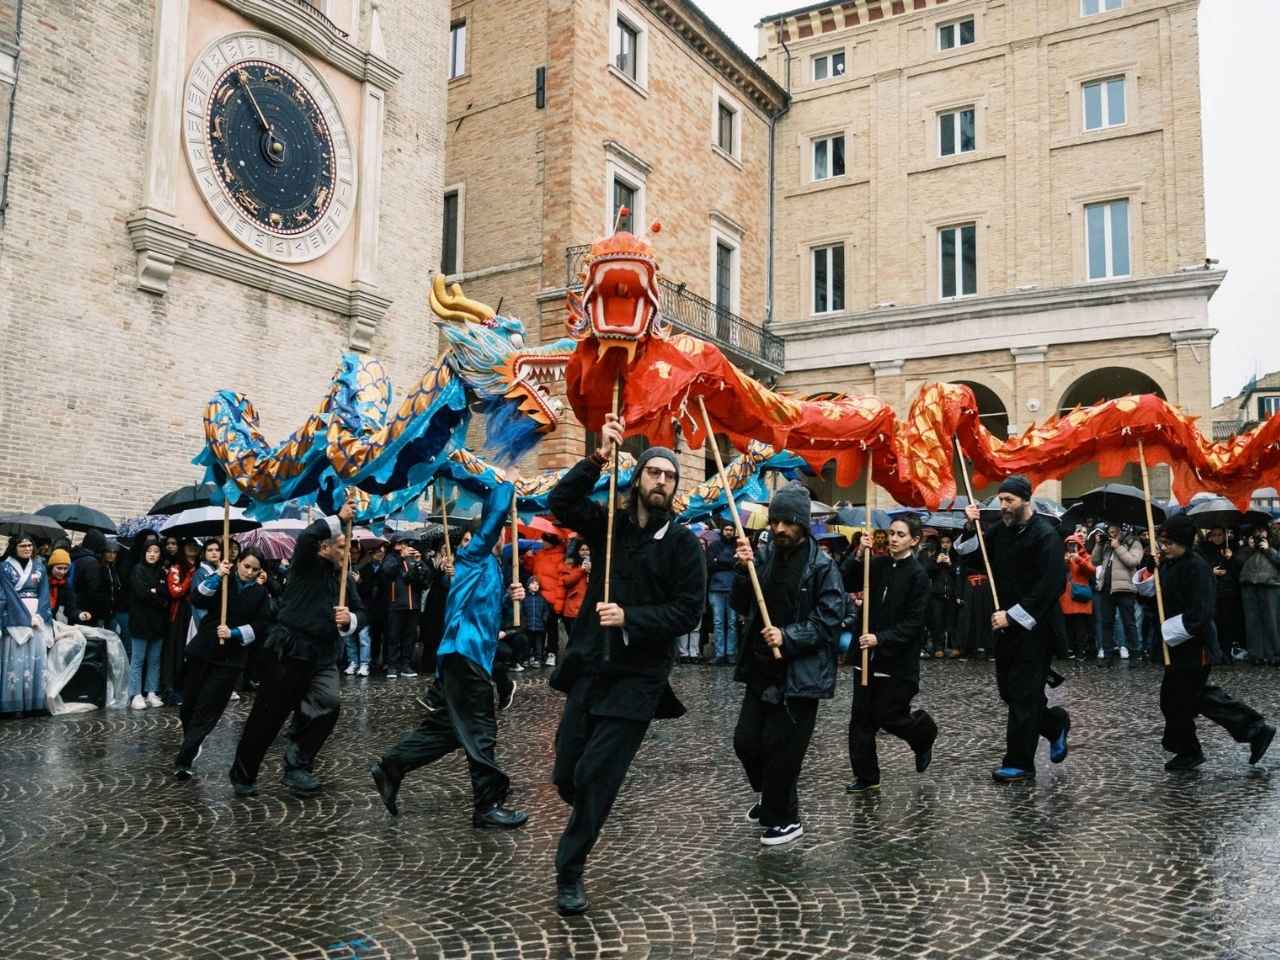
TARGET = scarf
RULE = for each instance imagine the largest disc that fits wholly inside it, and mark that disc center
(24, 573)
(55, 586)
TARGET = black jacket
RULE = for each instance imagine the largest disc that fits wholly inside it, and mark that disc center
(659, 580)
(93, 589)
(1227, 586)
(404, 580)
(1187, 587)
(810, 642)
(304, 626)
(899, 605)
(1030, 570)
(149, 606)
(248, 609)
(942, 576)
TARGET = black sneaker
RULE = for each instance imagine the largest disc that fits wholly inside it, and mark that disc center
(776, 836)
(862, 786)
(498, 817)
(388, 784)
(753, 814)
(506, 690)
(300, 781)
(243, 789)
(1259, 742)
(924, 758)
(1185, 761)
(183, 772)
(571, 898)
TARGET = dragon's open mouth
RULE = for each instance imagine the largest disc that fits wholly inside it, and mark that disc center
(622, 299)
(533, 378)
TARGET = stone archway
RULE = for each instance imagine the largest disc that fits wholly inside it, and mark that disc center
(1098, 386)
(994, 415)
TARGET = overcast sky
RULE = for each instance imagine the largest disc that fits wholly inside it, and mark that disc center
(1238, 79)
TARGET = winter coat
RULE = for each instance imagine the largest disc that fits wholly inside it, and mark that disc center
(942, 576)
(1029, 567)
(304, 628)
(1080, 570)
(811, 640)
(1227, 585)
(178, 583)
(93, 588)
(533, 611)
(574, 579)
(722, 567)
(1120, 564)
(405, 580)
(149, 603)
(248, 614)
(1190, 604)
(899, 606)
(659, 580)
(547, 564)
(1258, 567)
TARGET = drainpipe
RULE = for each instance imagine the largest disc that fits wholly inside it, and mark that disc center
(773, 122)
(13, 104)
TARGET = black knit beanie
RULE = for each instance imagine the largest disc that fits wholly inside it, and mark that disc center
(1018, 485)
(790, 505)
(1180, 529)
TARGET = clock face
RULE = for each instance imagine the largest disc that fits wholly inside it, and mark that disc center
(268, 149)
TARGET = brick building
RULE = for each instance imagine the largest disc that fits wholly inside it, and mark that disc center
(602, 104)
(1004, 194)
(138, 274)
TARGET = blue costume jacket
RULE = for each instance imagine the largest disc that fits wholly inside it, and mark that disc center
(473, 612)
(13, 612)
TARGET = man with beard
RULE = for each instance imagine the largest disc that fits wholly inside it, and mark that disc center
(619, 656)
(804, 595)
(1029, 569)
(1186, 584)
(306, 641)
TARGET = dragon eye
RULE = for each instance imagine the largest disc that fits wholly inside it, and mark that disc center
(517, 341)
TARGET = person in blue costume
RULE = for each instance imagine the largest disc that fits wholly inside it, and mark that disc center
(24, 613)
(461, 705)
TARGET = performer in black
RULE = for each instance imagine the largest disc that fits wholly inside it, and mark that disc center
(1030, 571)
(1186, 584)
(900, 595)
(217, 654)
(619, 656)
(306, 641)
(805, 599)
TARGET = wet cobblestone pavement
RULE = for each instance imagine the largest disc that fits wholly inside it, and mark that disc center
(104, 855)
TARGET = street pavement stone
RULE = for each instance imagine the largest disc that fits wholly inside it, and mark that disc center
(104, 855)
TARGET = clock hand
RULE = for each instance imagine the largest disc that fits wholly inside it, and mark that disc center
(244, 82)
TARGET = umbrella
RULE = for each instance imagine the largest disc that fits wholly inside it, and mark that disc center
(206, 522)
(1120, 503)
(31, 525)
(539, 526)
(129, 529)
(1258, 518)
(818, 509)
(74, 516)
(1211, 512)
(184, 498)
(365, 535)
(943, 520)
(1048, 509)
(857, 517)
(272, 544)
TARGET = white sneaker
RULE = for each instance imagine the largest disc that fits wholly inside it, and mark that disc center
(408, 673)
(234, 695)
(351, 670)
(364, 670)
(1101, 655)
(138, 702)
(551, 659)
(153, 700)
(517, 668)
(1124, 652)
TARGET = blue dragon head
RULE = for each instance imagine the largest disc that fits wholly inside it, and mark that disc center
(509, 382)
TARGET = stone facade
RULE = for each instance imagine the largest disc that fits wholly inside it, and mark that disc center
(103, 383)
(537, 180)
(1035, 332)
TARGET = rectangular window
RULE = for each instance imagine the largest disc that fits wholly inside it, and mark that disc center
(457, 49)
(1106, 228)
(628, 60)
(724, 291)
(828, 66)
(958, 260)
(624, 195)
(1268, 407)
(725, 117)
(1104, 103)
(449, 248)
(1089, 7)
(828, 157)
(958, 34)
(956, 132)
(828, 279)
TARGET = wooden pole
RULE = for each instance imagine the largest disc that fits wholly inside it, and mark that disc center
(226, 555)
(1151, 532)
(982, 541)
(515, 556)
(346, 564)
(737, 521)
(613, 498)
(867, 538)
(444, 515)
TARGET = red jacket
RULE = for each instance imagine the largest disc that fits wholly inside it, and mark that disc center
(547, 565)
(1079, 570)
(575, 587)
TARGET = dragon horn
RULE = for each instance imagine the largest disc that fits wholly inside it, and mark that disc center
(450, 304)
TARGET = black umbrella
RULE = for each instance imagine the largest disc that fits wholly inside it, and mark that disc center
(857, 517)
(1120, 503)
(75, 516)
(206, 522)
(31, 525)
(1211, 512)
(184, 498)
(944, 520)
(1075, 516)
(1258, 518)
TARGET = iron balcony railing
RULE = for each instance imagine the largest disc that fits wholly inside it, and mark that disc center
(699, 316)
(310, 7)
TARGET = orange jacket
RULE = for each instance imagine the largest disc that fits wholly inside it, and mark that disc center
(1079, 570)
(547, 565)
(575, 589)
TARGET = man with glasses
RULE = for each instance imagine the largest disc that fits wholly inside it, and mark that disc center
(619, 656)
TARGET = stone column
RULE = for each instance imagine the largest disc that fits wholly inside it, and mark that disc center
(1192, 350)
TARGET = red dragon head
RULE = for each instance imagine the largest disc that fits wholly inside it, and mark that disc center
(619, 305)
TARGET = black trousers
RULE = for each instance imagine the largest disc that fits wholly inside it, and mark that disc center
(1080, 634)
(885, 704)
(593, 754)
(462, 716)
(1229, 618)
(942, 622)
(771, 740)
(1022, 668)
(1124, 602)
(402, 635)
(307, 690)
(1185, 693)
(206, 691)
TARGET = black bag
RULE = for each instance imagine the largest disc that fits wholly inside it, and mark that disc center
(89, 685)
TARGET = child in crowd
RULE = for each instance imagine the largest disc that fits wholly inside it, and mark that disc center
(533, 611)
